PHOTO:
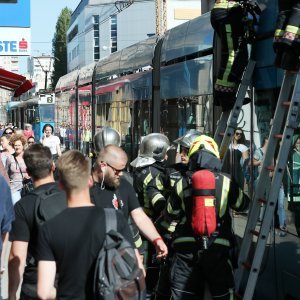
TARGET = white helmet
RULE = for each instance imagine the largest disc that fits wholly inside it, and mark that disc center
(105, 137)
(154, 147)
(187, 140)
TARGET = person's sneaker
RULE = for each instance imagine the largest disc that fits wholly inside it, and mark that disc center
(282, 232)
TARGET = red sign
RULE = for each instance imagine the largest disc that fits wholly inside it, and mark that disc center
(23, 44)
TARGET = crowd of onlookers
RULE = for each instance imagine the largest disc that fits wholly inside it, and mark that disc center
(106, 184)
(66, 133)
(13, 142)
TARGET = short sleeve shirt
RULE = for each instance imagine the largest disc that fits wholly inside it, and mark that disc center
(124, 198)
(24, 229)
(241, 147)
(51, 142)
(16, 172)
(73, 239)
(6, 208)
(258, 155)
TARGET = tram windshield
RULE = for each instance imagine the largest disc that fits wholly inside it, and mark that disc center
(47, 113)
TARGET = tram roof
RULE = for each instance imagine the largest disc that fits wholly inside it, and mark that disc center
(15, 83)
(67, 81)
(128, 59)
(190, 38)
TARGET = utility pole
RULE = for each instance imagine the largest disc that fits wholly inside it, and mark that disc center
(46, 71)
(161, 16)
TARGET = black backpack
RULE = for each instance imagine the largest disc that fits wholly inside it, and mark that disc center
(117, 275)
(48, 204)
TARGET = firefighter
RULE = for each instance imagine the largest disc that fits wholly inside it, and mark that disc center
(287, 35)
(158, 190)
(227, 19)
(149, 163)
(203, 258)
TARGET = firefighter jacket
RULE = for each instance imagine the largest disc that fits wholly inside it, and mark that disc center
(159, 189)
(179, 209)
(142, 176)
(286, 39)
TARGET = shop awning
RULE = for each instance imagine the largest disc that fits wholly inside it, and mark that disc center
(15, 83)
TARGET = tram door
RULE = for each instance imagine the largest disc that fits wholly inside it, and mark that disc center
(141, 123)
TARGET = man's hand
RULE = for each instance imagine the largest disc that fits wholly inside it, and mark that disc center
(160, 247)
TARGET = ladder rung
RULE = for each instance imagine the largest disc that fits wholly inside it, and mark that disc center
(238, 296)
(262, 200)
(254, 232)
(278, 136)
(247, 265)
(286, 103)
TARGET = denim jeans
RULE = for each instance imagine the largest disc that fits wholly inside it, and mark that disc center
(281, 210)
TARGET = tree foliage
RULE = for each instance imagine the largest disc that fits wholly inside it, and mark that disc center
(59, 45)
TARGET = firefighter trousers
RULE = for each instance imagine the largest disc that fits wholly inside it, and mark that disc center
(192, 268)
(230, 29)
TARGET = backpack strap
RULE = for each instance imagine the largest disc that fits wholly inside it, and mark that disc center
(110, 219)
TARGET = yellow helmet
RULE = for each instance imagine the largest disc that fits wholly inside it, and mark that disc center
(206, 143)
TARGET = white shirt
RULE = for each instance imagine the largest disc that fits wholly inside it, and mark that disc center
(62, 132)
(241, 147)
(51, 142)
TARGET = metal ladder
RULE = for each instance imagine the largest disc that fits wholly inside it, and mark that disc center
(285, 118)
(229, 119)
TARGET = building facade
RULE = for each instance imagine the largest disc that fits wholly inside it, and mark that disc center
(98, 29)
(40, 70)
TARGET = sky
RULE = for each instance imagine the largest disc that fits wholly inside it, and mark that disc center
(43, 17)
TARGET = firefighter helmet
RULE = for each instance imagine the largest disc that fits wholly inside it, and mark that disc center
(206, 143)
(187, 140)
(106, 136)
(154, 147)
(204, 154)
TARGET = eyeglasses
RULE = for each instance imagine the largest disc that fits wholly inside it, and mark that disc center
(238, 133)
(116, 171)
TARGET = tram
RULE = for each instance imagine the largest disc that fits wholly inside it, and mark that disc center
(165, 84)
(37, 111)
(157, 85)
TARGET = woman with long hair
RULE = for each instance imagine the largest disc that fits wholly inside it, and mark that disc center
(239, 154)
(16, 167)
(51, 141)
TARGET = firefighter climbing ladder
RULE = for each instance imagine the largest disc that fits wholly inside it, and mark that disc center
(285, 117)
(228, 121)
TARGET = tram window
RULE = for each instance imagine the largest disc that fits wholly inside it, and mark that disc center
(47, 113)
(177, 116)
(30, 113)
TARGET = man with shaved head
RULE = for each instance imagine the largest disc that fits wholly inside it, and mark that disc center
(110, 190)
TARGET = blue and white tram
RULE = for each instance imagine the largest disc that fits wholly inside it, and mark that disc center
(37, 111)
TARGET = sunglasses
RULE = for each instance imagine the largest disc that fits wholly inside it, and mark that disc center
(30, 143)
(238, 133)
(116, 171)
(9, 132)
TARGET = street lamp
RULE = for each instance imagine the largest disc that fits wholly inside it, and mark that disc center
(42, 67)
